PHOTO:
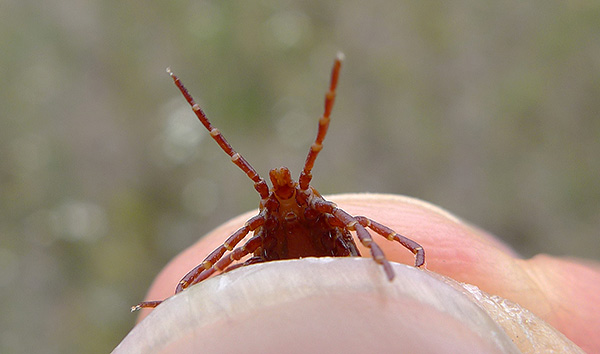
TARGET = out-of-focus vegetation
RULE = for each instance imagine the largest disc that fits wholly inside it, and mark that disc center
(489, 109)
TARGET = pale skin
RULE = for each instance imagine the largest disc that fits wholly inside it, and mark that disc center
(564, 292)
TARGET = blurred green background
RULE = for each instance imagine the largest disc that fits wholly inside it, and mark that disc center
(490, 109)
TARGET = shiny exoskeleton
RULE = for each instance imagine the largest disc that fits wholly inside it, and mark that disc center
(294, 220)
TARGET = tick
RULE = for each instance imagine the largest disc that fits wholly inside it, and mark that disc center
(294, 220)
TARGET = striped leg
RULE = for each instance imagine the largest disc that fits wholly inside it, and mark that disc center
(259, 183)
(351, 223)
(316, 147)
(208, 266)
(392, 235)
(191, 277)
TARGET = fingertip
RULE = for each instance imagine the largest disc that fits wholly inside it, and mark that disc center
(453, 247)
(319, 304)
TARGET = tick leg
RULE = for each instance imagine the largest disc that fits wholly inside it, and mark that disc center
(145, 304)
(249, 247)
(222, 264)
(351, 223)
(316, 147)
(259, 183)
(376, 252)
(191, 277)
(249, 261)
(392, 235)
(206, 269)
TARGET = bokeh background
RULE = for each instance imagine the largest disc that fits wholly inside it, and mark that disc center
(490, 109)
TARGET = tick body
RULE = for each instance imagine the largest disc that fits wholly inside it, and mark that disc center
(294, 220)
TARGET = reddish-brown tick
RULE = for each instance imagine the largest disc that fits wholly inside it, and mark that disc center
(294, 220)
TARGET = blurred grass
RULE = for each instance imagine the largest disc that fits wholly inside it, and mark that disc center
(490, 110)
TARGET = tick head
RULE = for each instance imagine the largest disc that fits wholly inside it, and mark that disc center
(283, 185)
